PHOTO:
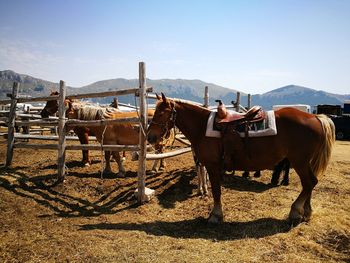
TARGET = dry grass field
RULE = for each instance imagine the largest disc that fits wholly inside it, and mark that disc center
(89, 219)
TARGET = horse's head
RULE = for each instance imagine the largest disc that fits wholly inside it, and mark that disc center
(71, 111)
(163, 119)
(51, 106)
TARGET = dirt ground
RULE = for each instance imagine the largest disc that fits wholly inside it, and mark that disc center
(90, 219)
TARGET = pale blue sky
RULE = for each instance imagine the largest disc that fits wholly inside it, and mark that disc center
(252, 46)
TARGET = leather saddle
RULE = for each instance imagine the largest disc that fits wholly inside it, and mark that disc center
(255, 114)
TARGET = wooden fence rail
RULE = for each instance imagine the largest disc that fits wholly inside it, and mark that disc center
(79, 96)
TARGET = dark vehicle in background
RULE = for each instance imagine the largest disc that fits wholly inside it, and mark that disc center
(340, 116)
(342, 127)
(334, 110)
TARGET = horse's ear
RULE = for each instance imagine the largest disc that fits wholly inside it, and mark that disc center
(53, 91)
(158, 97)
(163, 97)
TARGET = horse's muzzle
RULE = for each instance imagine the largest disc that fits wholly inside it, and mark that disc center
(44, 113)
(152, 138)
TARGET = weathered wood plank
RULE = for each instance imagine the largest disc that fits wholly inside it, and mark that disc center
(79, 96)
(61, 132)
(151, 156)
(141, 198)
(11, 125)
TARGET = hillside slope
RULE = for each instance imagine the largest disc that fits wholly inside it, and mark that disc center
(180, 88)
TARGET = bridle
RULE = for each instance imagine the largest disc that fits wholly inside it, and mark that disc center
(169, 124)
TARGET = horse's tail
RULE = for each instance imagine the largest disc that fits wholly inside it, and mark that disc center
(320, 160)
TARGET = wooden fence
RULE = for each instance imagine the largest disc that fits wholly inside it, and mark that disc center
(63, 123)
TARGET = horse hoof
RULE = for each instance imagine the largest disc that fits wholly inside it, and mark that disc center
(202, 193)
(121, 175)
(285, 183)
(87, 164)
(293, 222)
(274, 183)
(215, 219)
(245, 174)
(257, 174)
(107, 173)
(161, 168)
(152, 172)
(295, 218)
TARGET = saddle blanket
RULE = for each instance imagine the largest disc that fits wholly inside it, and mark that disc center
(268, 130)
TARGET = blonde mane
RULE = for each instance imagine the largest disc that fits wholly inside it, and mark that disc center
(87, 111)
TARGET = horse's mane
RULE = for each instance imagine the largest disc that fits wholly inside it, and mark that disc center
(194, 105)
(87, 111)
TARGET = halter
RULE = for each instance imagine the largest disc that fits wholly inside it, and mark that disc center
(165, 126)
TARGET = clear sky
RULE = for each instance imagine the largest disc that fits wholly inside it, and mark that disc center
(252, 46)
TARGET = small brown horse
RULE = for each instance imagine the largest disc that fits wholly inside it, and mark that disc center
(306, 140)
(117, 133)
(83, 133)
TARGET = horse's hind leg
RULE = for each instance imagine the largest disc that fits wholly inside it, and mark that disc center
(277, 172)
(120, 161)
(204, 179)
(200, 179)
(285, 180)
(257, 174)
(301, 208)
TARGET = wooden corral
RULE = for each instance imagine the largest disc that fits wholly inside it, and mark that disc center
(63, 124)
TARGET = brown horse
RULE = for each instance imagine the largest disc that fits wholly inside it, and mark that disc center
(83, 133)
(117, 133)
(306, 140)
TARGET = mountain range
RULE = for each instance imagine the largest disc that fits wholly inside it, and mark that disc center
(179, 88)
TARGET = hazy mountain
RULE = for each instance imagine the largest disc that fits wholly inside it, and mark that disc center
(29, 85)
(180, 88)
(294, 94)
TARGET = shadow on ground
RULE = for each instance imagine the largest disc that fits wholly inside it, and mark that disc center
(199, 228)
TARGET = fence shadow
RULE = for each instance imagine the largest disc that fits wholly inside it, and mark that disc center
(171, 187)
(64, 202)
(40, 190)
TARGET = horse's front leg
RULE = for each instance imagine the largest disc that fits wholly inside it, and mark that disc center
(83, 136)
(159, 148)
(214, 171)
(205, 179)
(120, 162)
(107, 169)
(202, 179)
(162, 165)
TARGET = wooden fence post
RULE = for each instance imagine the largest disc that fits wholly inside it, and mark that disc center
(249, 101)
(11, 125)
(238, 101)
(61, 132)
(206, 97)
(143, 130)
